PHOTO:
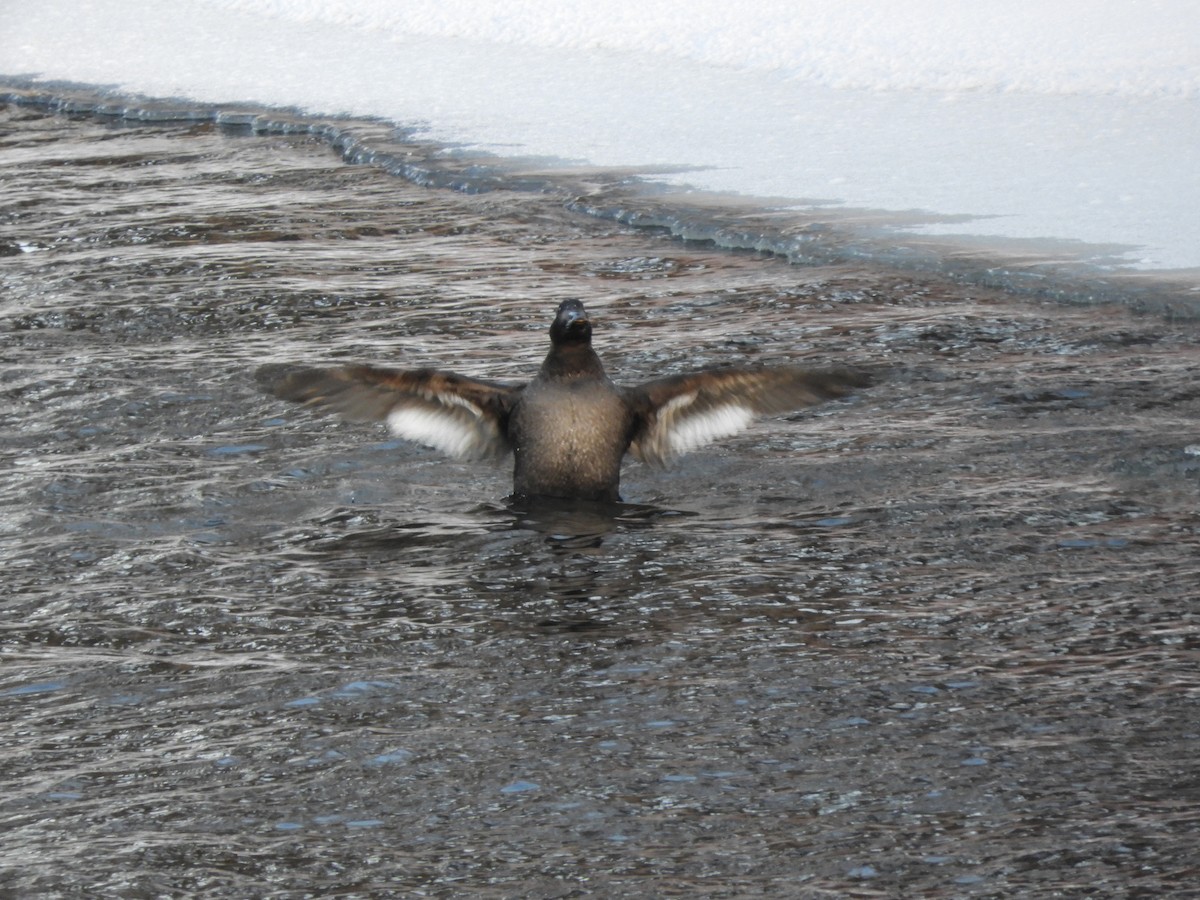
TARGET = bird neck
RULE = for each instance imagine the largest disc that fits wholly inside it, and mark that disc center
(572, 360)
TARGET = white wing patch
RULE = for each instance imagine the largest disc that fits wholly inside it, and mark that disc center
(687, 432)
(461, 433)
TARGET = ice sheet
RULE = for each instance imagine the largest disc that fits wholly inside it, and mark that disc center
(1062, 120)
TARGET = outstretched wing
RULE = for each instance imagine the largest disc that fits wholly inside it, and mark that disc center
(463, 417)
(683, 412)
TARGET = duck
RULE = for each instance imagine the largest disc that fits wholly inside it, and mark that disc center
(570, 428)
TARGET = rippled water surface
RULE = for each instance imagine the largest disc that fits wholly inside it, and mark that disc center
(938, 639)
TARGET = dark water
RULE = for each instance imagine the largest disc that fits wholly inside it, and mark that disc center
(937, 640)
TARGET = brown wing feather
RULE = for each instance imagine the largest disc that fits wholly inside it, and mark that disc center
(681, 412)
(463, 417)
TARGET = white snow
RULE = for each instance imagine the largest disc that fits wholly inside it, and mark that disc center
(1064, 119)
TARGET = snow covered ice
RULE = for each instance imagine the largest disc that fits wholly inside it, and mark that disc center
(1065, 120)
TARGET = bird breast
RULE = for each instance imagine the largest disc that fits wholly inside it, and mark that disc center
(569, 438)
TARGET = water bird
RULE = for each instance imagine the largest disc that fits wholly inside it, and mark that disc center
(570, 427)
